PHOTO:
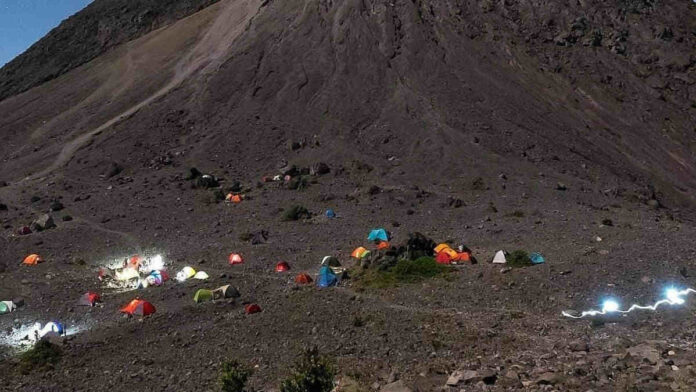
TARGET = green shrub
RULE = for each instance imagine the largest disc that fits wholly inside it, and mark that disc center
(311, 373)
(234, 376)
(298, 183)
(519, 258)
(43, 356)
(295, 213)
(405, 271)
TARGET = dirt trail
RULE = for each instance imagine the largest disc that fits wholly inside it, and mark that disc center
(207, 54)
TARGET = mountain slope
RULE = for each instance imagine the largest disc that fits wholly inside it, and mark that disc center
(102, 25)
(562, 127)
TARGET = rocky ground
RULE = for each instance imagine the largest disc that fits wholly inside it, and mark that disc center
(429, 120)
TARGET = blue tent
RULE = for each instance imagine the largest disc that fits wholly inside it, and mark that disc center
(537, 258)
(327, 277)
(378, 235)
(330, 213)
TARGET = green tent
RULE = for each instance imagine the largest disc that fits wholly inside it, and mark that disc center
(6, 307)
(203, 295)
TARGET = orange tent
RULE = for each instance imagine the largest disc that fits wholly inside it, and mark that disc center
(451, 253)
(441, 247)
(32, 259)
(443, 258)
(138, 307)
(463, 256)
(383, 245)
(235, 258)
(233, 198)
(359, 253)
(303, 279)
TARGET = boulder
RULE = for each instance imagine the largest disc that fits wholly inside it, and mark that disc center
(645, 353)
(397, 386)
(56, 206)
(44, 222)
(319, 168)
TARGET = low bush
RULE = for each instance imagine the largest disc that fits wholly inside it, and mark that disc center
(519, 258)
(43, 356)
(296, 213)
(311, 373)
(234, 377)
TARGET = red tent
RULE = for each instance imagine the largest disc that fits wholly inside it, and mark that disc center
(252, 308)
(138, 307)
(282, 267)
(443, 258)
(24, 231)
(89, 299)
(303, 279)
(235, 259)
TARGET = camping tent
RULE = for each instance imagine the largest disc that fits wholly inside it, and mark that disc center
(499, 257)
(89, 299)
(360, 252)
(185, 274)
(51, 328)
(7, 307)
(443, 258)
(235, 258)
(252, 308)
(331, 261)
(282, 267)
(138, 307)
(441, 247)
(537, 258)
(378, 235)
(236, 199)
(156, 278)
(201, 275)
(32, 259)
(226, 291)
(303, 279)
(330, 213)
(203, 295)
(327, 277)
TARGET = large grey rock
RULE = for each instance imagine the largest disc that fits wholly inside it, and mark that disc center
(645, 352)
(44, 222)
(397, 386)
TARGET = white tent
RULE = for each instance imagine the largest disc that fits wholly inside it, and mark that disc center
(499, 258)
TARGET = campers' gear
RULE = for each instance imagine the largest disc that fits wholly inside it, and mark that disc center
(378, 235)
(138, 307)
(226, 291)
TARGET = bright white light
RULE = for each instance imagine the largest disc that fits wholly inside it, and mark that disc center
(673, 297)
(156, 263)
(610, 306)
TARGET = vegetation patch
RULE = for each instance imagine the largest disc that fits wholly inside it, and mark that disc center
(234, 376)
(404, 272)
(43, 356)
(519, 258)
(296, 213)
(311, 373)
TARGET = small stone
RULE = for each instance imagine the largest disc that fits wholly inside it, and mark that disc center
(561, 186)
(397, 386)
(505, 270)
(578, 345)
(548, 378)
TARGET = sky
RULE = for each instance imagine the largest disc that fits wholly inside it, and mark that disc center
(23, 22)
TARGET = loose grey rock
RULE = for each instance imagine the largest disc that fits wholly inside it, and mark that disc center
(397, 386)
(44, 222)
